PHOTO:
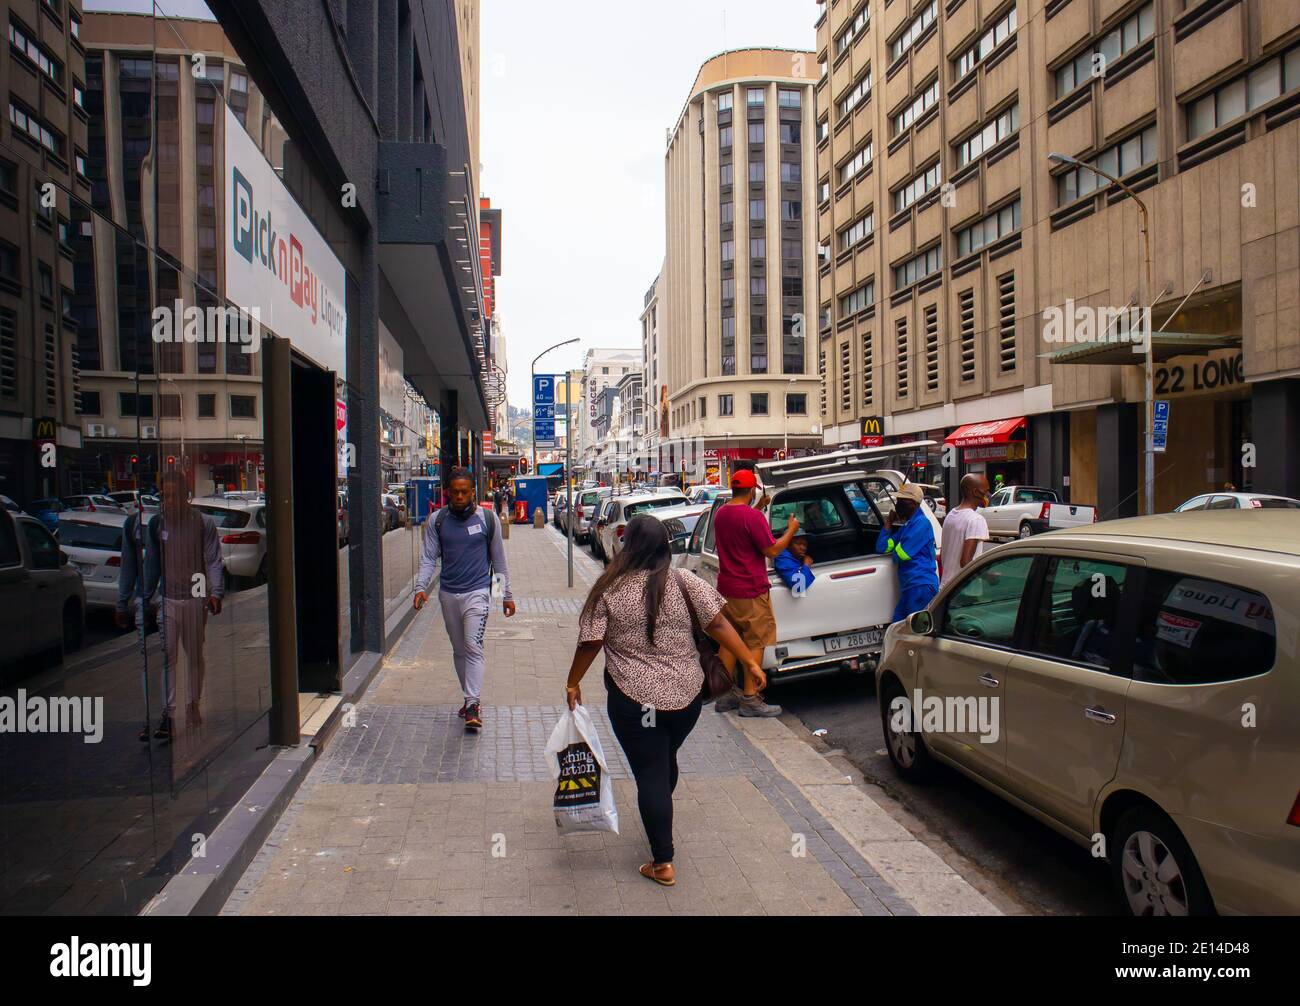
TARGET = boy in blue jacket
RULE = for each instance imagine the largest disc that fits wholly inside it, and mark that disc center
(909, 538)
(794, 566)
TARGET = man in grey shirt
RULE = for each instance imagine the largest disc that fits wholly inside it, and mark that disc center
(466, 540)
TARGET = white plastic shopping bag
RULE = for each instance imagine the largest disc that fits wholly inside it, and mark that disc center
(584, 792)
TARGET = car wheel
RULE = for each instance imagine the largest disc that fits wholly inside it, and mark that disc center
(906, 747)
(74, 627)
(1154, 868)
(1026, 531)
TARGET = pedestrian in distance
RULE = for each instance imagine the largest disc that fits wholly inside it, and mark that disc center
(744, 542)
(643, 613)
(964, 529)
(465, 540)
(908, 537)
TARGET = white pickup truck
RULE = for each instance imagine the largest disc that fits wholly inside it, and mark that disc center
(1024, 511)
(840, 500)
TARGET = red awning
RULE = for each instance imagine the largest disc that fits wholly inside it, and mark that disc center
(986, 434)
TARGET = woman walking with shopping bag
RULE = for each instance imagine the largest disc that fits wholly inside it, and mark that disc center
(645, 615)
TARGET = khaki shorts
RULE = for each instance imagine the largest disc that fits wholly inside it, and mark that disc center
(753, 620)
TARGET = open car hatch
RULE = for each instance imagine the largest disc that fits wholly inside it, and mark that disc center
(779, 474)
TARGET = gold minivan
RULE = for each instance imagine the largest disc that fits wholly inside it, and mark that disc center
(1135, 685)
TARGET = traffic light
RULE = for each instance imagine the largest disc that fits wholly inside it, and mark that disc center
(135, 460)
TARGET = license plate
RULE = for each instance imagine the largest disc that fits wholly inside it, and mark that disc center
(853, 641)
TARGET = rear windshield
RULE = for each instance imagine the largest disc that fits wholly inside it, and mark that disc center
(104, 537)
(654, 504)
(1275, 504)
(225, 518)
(1035, 496)
(588, 498)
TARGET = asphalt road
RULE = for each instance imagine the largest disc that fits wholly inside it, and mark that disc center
(1030, 864)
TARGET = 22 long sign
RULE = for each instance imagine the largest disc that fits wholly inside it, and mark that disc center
(1198, 375)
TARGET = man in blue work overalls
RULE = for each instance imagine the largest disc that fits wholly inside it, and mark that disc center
(909, 538)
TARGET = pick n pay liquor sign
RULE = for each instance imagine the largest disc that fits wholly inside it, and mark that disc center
(276, 261)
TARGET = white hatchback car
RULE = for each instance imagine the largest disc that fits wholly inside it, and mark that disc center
(242, 526)
(619, 510)
(93, 541)
(1238, 501)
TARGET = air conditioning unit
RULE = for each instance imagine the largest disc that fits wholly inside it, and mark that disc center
(148, 433)
(95, 429)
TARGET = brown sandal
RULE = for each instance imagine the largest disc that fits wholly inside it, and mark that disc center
(660, 873)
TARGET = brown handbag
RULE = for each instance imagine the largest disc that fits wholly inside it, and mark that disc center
(718, 681)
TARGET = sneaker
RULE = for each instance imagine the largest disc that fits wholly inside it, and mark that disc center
(463, 707)
(164, 731)
(753, 705)
(726, 703)
(143, 735)
(473, 717)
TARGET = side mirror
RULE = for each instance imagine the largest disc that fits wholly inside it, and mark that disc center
(63, 558)
(921, 623)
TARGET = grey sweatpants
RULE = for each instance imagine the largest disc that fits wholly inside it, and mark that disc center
(466, 618)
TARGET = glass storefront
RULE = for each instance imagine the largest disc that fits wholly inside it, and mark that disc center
(132, 454)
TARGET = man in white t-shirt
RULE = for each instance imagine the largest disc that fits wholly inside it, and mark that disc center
(964, 529)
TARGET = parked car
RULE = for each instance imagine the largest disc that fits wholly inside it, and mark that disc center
(558, 508)
(42, 599)
(93, 502)
(679, 522)
(242, 526)
(127, 499)
(840, 502)
(1023, 511)
(586, 509)
(706, 494)
(1238, 501)
(935, 500)
(1123, 657)
(621, 509)
(393, 514)
(93, 541)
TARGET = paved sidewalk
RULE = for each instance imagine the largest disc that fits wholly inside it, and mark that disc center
(406, 814)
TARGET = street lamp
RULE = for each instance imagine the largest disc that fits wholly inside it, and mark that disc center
(532, 383)
(1148, 394)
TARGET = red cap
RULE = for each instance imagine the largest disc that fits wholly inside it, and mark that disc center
(744, 479)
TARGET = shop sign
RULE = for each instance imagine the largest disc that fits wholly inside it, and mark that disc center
(873, 432)
(1013, 451)
(1198, 375)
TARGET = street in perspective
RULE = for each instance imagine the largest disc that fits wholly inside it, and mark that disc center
(480, 458)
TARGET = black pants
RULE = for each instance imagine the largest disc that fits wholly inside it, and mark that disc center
(652, 753)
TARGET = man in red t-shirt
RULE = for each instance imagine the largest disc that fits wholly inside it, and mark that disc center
(745, 543)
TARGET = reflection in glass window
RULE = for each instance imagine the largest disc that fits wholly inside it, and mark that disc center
(1078, 611)
(985, 606)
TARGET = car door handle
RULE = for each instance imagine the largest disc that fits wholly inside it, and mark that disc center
(989, 681)
(1099, 715)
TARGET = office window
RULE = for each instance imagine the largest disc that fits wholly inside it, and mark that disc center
(46, 281)
(823, 192)
(725, 174)
(791, 133)
(858, 25)
(756, 134)
(756, 172)
(789, 99)
(756, 96)
(758, 286)
(791, 209)
(1002, 29)
(725, 101)
(856, 96)
(915, 28)
(1137, 151)
(857, 232)
(1135, 30)
(757, 209)
(728, 346)
(726, 212)
(90, 404)
(129, 405)
(29, 125)
(35, 53)
(728, 251)
(207, 406)
(726, 405)
(917, 268)
(857, 164)
(915, 108)
(990, 136)
(757, 248)
(796, 404)
(729, 288)
(984, 232)
(861, 298)
(9, 262)
(791, 171)
(902, 363)
(925, 182)
(1262, 84)
(758, 404)
(724, 137)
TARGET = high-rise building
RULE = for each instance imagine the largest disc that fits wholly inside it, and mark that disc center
(740, 274)
(602, 368)
(974, 288)
(655, 392)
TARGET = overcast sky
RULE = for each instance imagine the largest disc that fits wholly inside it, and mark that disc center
(575, 100)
